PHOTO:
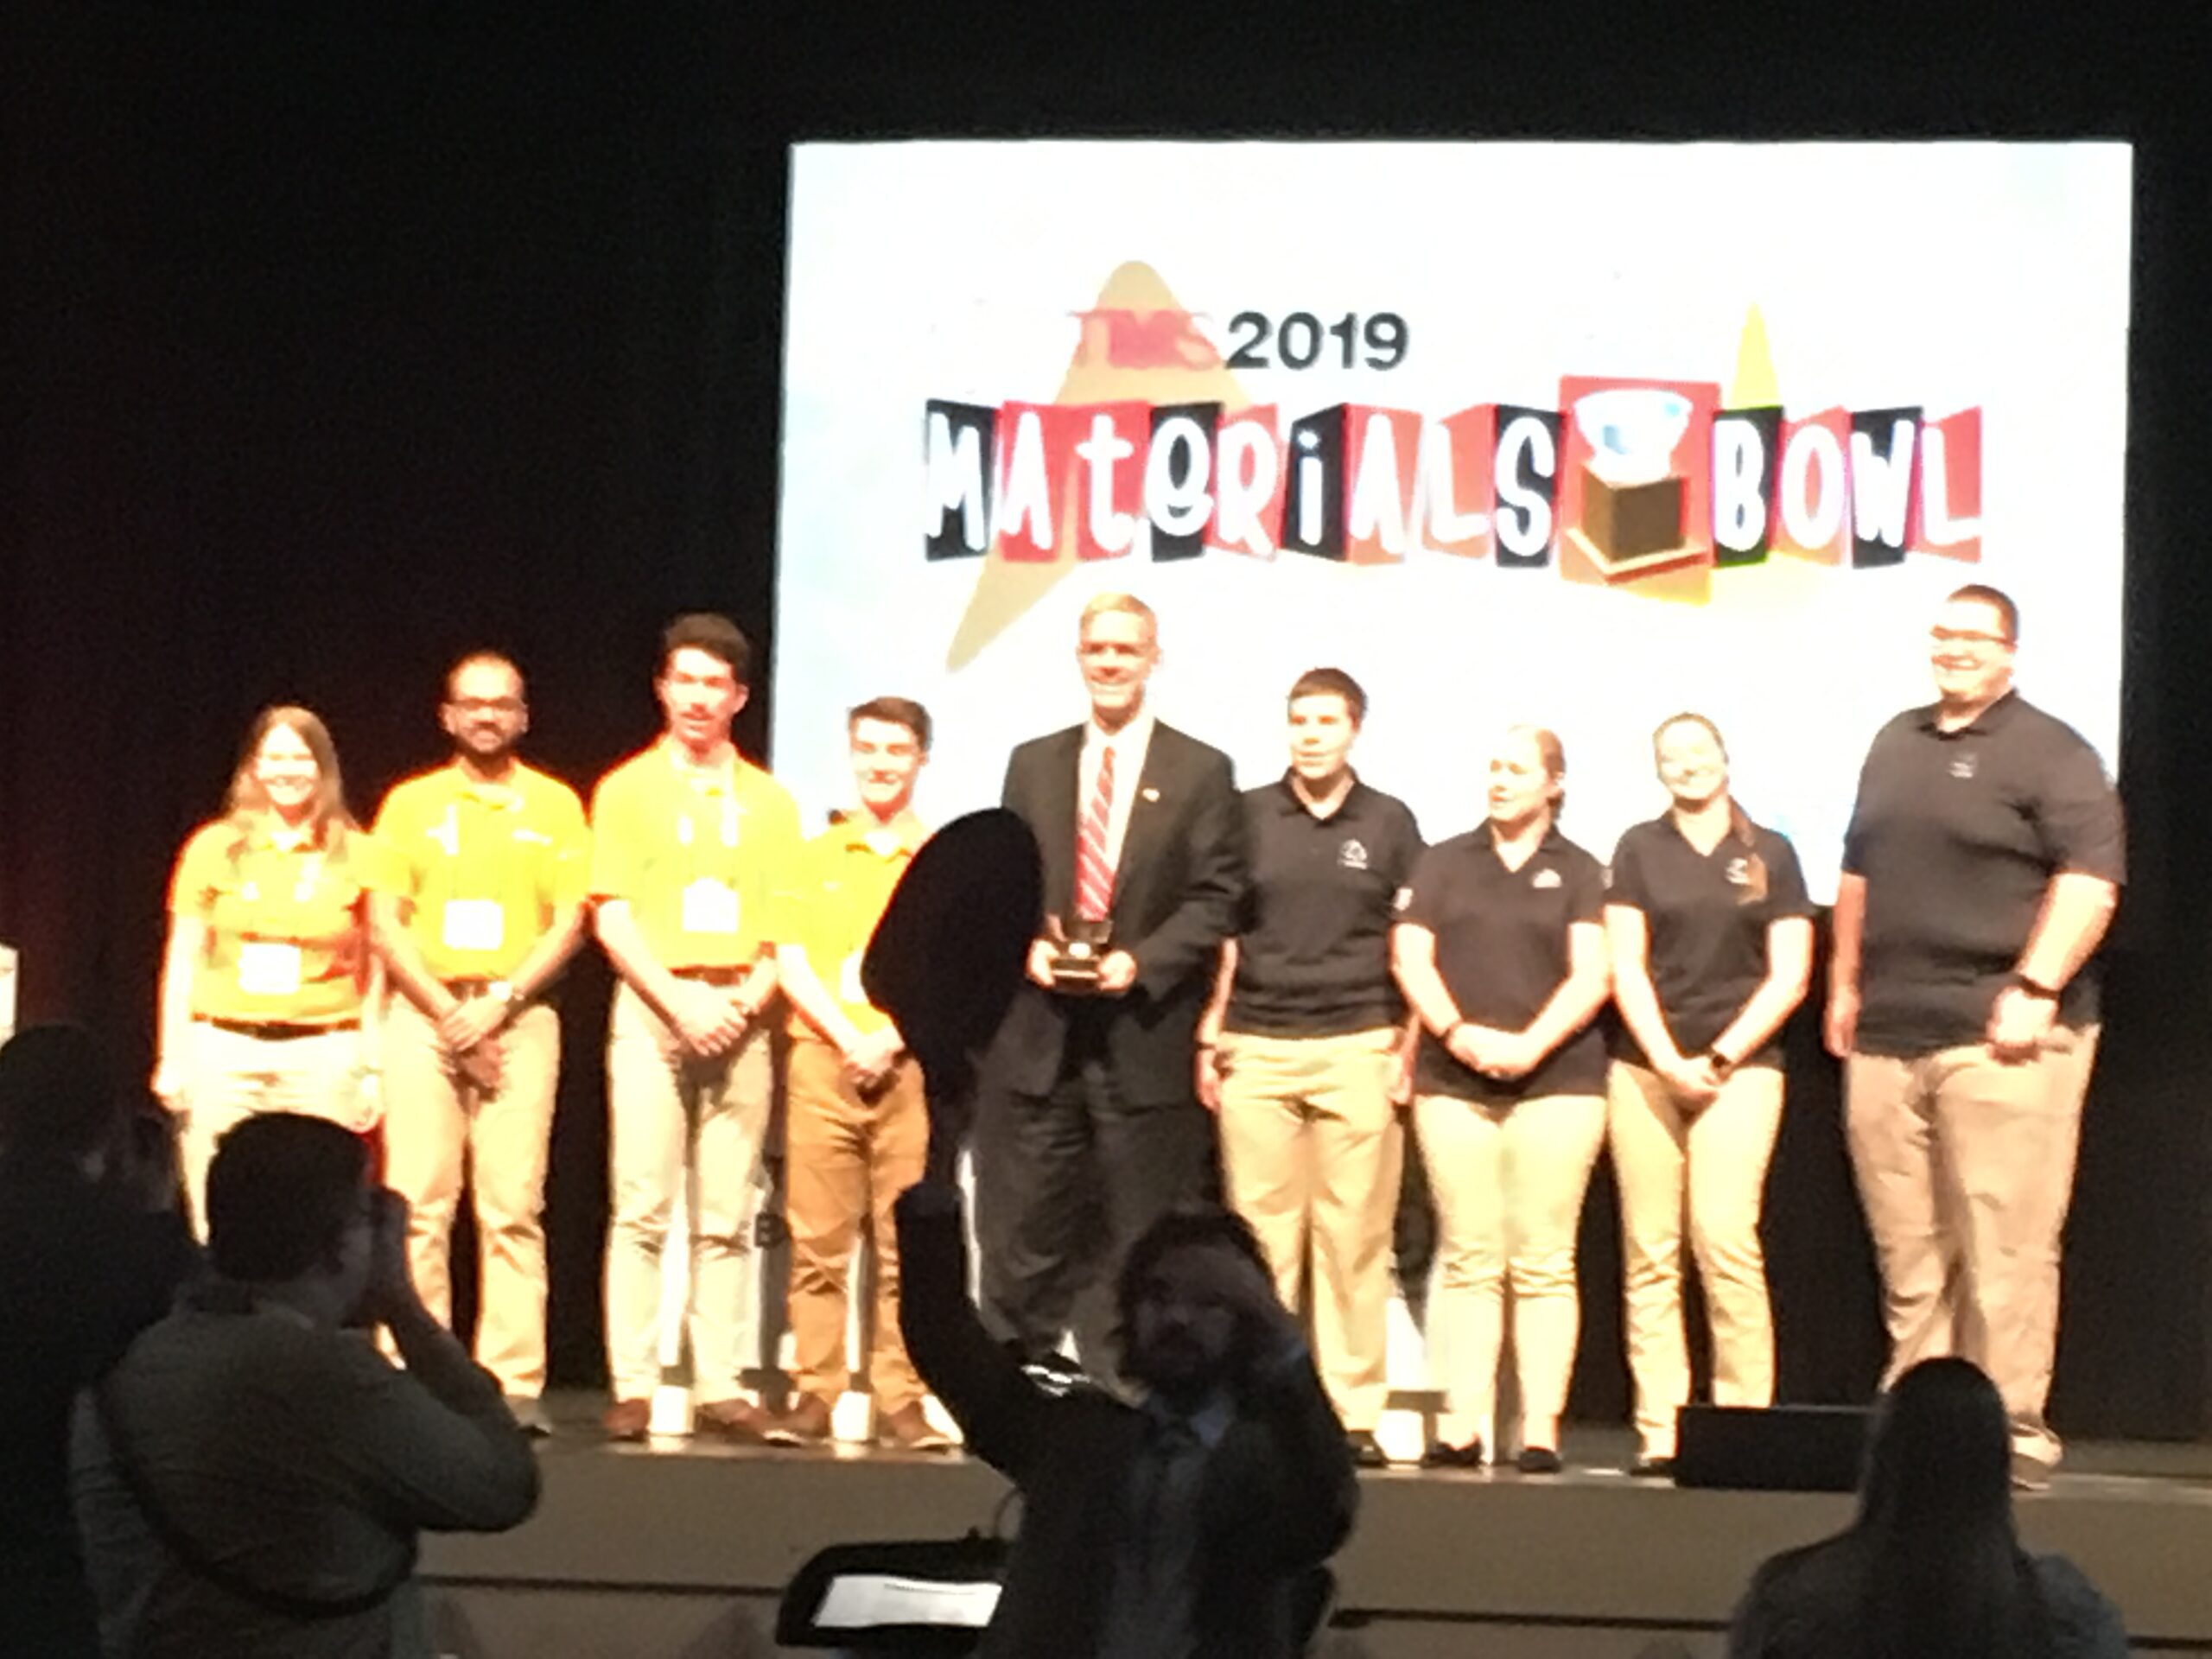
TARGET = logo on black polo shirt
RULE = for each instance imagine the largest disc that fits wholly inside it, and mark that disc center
(1353, 854)
(1962, 765)
(1546, 878)
(1738, 872)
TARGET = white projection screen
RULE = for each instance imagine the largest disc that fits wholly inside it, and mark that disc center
(1574, 434)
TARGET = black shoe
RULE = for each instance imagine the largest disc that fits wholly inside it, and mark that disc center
(1653, 1469)
(1365, 1452)
(1538, 1461)
(1440, 1456)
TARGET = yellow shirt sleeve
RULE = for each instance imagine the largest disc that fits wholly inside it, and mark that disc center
(191, 889)
(612, 855)
(572, 848)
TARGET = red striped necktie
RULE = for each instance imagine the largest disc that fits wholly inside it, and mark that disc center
(1094, 875)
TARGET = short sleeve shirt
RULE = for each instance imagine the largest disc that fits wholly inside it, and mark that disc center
(484, 868)
(703, 859)
(1313, 944)
(843, 885)
(1502, 950)
(1957, 836)
(287, 927)
(1706, 919)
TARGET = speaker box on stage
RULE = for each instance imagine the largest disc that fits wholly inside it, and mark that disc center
(1776, 1449)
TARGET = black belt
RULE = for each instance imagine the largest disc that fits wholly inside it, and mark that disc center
(278, 1031)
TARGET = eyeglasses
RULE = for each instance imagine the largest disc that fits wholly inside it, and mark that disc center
(1964, 637)
(487, 705)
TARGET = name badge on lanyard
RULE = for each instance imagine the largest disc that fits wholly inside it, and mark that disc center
(269, 967)
(474, 924)
(710, 907)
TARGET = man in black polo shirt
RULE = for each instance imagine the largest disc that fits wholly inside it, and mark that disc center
(1302, 1050)
(1981, 866)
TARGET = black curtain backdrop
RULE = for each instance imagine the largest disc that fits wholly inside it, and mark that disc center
(340, 344)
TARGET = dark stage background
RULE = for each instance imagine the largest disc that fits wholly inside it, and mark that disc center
(337, 345)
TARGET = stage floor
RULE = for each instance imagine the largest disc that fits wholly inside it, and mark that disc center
(681, 1549)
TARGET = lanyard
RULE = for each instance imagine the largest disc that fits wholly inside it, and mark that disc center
(684, 833)
(302, 888)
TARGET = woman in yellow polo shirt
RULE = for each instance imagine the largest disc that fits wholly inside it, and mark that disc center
(266, 978)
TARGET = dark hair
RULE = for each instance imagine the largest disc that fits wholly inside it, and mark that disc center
(1186, 1226)
(715, 635)
(484, 656)
(56, 1094)
(281, 1192)
(1942, 1567)
(1739, 824)
(898, 711)
(1331, 683)
(1998, 600)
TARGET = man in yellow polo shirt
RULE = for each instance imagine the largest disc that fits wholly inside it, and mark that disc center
(693, 850)
(495, 861)
(857, 1128)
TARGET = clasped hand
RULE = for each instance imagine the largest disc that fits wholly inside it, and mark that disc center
(1504, 1055)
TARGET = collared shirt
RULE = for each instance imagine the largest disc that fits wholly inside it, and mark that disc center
(1706, 918)
(845, 877)
(1958, 835)
(701, 857)
(1313, 943)
(286, 920)
(484, 867)
(1152, 1609)
(303, 1461)
(1130, 745)
(1501, 952)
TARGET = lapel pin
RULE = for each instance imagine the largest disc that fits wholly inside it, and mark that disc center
(1151, 794)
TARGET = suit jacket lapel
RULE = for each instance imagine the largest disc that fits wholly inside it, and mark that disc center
(1144, 814)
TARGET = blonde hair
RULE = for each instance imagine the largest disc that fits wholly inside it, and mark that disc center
(247, 800)
(1125, 604)
(1739, 824)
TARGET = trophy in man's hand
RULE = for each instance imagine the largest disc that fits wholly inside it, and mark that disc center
(1079, 946)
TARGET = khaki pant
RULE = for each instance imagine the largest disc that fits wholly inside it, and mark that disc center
(235, 1076)
(1311, 1153)
(1965, 1165)
(674, 1119)
(1508, 1179)
(1709, 1167)
(848, 1159)
(440, 1129)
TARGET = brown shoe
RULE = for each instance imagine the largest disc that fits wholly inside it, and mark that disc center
(909, 1429)
(738, 1422)
(627, 1419)
(806, 1423)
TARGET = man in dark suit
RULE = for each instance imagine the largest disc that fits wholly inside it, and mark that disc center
(1087, 1127)
(1191, 1525)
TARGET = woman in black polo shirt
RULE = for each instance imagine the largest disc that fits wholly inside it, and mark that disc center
(1501, 949)
(1711, 946)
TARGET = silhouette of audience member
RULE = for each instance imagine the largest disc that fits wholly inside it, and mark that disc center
(92, 1248)
(1933, 1565)
(253, 1474)
(1193, 1523)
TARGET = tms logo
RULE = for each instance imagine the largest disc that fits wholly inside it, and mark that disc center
(1124, 338)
